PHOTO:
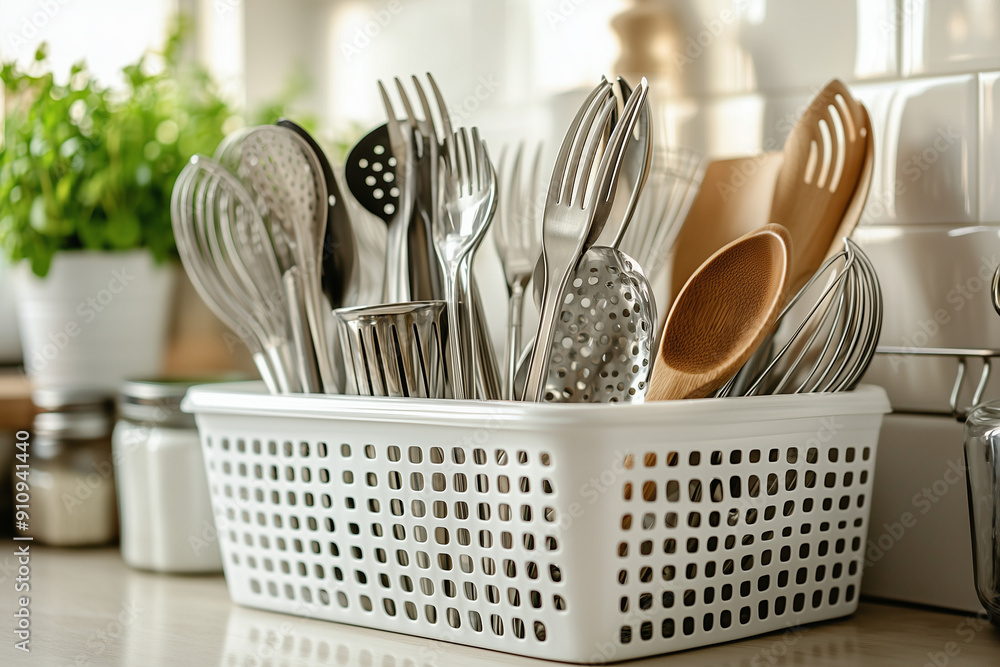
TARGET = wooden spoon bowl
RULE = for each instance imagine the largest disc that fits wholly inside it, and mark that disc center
(723, 313)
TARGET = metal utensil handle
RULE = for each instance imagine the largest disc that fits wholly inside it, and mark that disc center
(489, 386)
(305, 351)
(515, 322)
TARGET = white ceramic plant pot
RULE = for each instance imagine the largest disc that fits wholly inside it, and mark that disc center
(10, 342)
(95, 319)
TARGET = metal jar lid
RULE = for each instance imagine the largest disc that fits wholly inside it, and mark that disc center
(80, 424)
(54, 399)
(157, 402)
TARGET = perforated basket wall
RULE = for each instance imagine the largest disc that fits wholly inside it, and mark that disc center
(575, 533)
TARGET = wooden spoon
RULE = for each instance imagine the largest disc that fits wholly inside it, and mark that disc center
(825, 157)
(721, 315)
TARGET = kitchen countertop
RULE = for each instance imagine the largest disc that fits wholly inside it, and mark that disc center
(88, 608)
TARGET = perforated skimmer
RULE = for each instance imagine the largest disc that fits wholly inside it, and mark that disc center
(602, 350)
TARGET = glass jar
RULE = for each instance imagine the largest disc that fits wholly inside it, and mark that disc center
(166, 510)
(982, 460)
(72, 478)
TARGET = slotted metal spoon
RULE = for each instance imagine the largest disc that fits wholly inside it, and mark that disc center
(286, 178)
(603, 346)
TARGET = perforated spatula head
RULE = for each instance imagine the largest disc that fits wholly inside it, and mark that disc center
(337, 265)
(370, 172)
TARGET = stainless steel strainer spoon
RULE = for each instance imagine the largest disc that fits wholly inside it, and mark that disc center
(286, 177)
(603, 347)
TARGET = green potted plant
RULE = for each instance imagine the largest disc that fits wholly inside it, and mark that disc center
(86, 173)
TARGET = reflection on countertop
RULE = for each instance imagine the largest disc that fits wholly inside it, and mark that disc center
(88, 608)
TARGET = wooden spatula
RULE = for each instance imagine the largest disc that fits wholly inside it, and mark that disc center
(825, 157)
(734, 198)
(721, 315)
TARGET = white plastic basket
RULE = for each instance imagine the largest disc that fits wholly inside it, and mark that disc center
(578, 533)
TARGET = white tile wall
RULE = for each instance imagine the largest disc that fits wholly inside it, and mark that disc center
(767, 59)
(730, 45)
(929, 73)
(941, 36)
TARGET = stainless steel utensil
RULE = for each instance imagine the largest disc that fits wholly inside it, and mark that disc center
(518, 241)
(598, 207)
(338, 266)
(824, 338)
(602, 350)
(395, 349)
(567, 221)
(603, 346)
(286, 178)
(467, 193)
(428, 147)
(214, 283)
(635, 171)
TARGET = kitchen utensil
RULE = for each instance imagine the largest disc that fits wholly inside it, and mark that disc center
(635, 171)
(602, 350)
(286, 179)
(338, 267)
(381, 176)
(821, 343)
(635, 167)
(734, 198)
(982, 466)
(425, 275)
(395, 349)
(468, 201)
(674, 178)
(261, 329)
(430, 138)
(856, 205)
(825, 157)
(602, 345)
(518, 241)
(567, 220)
(721, 315)
(305, 357)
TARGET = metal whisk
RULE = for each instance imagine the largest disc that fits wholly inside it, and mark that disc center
(828, 348)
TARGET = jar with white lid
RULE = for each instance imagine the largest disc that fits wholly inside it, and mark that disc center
(164, 503)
